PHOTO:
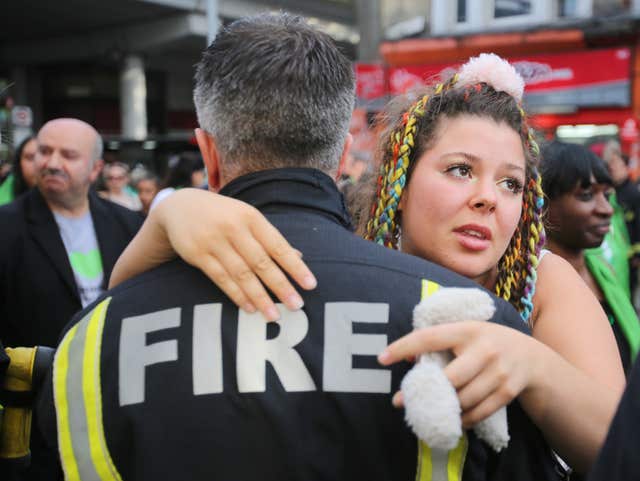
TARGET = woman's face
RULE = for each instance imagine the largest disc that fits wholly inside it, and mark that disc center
(580, 218)
(116, 178)
(147, 190)
(464, 200)
(27, 164)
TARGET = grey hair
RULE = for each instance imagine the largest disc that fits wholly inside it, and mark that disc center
(275, 92)
(98, 148)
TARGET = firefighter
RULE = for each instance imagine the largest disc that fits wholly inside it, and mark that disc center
(164, 378)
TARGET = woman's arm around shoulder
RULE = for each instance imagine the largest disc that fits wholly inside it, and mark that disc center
(227, 239)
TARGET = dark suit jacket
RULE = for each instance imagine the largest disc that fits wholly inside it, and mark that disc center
(38, 292)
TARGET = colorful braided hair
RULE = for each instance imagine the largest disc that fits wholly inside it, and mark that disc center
(486, 86)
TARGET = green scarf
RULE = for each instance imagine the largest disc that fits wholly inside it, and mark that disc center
(618, 300)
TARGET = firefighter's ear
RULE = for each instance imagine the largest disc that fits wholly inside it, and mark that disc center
(345, 154)
(210, 157)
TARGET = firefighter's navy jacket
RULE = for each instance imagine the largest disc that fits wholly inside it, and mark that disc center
(165, 379)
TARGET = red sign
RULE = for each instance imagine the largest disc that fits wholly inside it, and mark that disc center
(578, 69)
(590, 77)
(370, 81)
(629, 130)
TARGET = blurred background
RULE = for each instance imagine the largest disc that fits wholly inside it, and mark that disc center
(126, 66)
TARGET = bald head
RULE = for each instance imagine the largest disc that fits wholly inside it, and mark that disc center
(75, 127)
(68, 160)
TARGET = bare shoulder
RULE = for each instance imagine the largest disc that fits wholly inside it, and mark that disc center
(555, 276)
(552, 267)
(569, 318)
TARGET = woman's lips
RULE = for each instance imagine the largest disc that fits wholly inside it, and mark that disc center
(602, 229)
(473, 237)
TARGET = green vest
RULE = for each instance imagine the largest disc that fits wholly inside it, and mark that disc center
(617, 298)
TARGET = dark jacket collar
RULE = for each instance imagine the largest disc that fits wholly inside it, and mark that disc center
(301, 188)
(46, 233)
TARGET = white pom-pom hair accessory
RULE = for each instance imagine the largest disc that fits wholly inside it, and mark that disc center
(493, 70)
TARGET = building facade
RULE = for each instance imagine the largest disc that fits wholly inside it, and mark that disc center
(579, 59)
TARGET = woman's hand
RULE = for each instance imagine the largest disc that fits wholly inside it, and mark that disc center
(229, 240)
(493, 364)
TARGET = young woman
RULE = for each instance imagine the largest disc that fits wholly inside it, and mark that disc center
(577, 184)
(458, 187)
(116, 180)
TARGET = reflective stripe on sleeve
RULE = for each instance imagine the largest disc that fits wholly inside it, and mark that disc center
(428, 288)
(78, 400)
(437, 465)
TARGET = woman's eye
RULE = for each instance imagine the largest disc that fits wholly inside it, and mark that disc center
(585, 195)
(512, 185)
(459, 170)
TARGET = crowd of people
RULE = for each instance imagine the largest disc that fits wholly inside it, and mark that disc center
(160, 374)
(135, 189)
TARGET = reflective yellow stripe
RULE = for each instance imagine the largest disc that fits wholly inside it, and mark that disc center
(428, 288)
(60, 371)
(78, 401)
(423, 472)
(91, 390)
(456, 459)
(431, 466)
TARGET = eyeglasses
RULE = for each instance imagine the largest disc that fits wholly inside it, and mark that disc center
(115, 177)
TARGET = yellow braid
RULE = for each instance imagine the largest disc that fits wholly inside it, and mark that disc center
(382, 227)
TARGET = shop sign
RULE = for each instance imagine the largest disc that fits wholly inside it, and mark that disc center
(577, 79)
(370, 81)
